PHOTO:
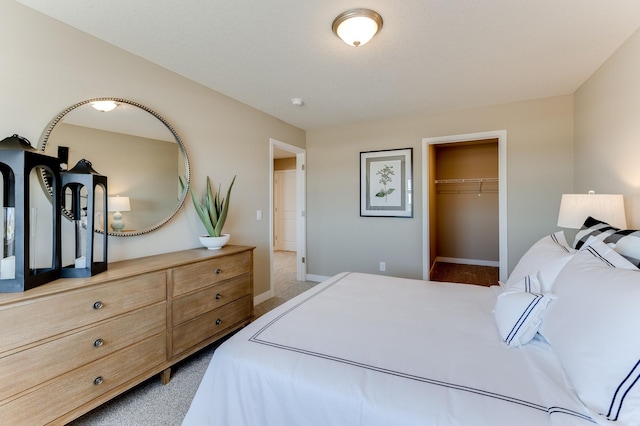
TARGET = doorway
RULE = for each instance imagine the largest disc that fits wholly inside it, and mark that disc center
(287, 228)
(284, 205)
(457, 185)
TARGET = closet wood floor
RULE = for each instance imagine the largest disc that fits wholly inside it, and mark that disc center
(465, 274)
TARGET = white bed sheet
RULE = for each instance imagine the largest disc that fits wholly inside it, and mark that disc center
(363, 349)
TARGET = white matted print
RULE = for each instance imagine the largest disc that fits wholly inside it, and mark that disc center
(385, 183)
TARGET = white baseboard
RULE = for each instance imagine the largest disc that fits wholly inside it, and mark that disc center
(262, 297)
(316, 278)
(477, 262)
(269, 294)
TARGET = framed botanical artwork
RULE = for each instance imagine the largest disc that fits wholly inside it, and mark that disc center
(385, 183)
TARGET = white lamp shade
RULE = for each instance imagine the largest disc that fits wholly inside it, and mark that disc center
(357, 31)
(119, 204)
(575, 208)
(357, 26)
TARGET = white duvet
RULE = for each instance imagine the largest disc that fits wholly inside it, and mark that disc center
(364, 349)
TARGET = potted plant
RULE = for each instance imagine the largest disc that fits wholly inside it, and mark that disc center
(212, 211)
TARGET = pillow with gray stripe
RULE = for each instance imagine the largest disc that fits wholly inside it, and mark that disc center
(626, 241)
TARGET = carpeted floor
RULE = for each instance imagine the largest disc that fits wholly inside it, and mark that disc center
(151, 403)
(466, 274)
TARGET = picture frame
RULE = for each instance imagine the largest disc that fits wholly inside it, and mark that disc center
(386, 180)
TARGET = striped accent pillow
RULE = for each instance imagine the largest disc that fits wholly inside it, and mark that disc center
(626, 241)
(519, 310)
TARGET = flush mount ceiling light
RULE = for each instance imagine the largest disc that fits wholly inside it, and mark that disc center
(104, 106)
(357, 26)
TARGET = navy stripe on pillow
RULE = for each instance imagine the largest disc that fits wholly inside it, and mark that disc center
(623, 389)
(523, 318)
(597, 255)
(554, 238)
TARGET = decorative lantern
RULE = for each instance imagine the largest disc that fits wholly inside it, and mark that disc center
(31, 222)
(84, 199)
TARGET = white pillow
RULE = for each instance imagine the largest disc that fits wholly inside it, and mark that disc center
(607, 254)
(530, 283)
(546, 257)
(594, 329)
(518, 312)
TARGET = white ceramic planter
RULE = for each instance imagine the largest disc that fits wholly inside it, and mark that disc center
(214, 243)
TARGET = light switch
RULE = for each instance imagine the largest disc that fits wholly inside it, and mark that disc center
(259, 215)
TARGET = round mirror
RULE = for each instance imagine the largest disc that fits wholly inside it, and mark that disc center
(139, 152)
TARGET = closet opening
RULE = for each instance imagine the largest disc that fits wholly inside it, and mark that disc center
(464, 217)
(466, 212)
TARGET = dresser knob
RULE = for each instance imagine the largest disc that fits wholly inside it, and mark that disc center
(98, 305)
(98, 380)
(218, 271)
(98, 343)
(218, 296)
(218, 321)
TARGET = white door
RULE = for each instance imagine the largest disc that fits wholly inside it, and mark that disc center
(285, 210)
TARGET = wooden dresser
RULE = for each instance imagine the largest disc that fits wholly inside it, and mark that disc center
(72, 344)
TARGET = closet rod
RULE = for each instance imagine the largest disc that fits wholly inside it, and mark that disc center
(471, 180)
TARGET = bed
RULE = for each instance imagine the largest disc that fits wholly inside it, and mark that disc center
(363, 349)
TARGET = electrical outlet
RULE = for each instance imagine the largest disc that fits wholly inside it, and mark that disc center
(383, 266)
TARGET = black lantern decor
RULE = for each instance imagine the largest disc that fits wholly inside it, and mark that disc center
(31, 222)
(84, 199)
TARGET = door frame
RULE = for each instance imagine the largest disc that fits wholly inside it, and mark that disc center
(301, 197)
(501, 135)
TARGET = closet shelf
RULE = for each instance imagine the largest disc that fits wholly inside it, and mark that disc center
(479, 181)
(469, 180)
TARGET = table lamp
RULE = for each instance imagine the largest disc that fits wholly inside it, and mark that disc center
(576, 208)
(118, 204)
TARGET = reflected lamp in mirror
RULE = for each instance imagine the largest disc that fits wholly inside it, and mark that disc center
(31, 230)
(118, 205)
(576, 208)
(84, 196)
(104, 106)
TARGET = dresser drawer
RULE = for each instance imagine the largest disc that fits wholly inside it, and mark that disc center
(210, 324)
(198, 275)
(27, 368)
(84, 384)
(44, 317)
(191, 305)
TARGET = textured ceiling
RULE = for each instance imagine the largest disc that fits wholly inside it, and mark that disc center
(430, 56)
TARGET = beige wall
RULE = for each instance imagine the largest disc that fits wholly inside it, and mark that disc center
(539, 170)
(607, 129)
(47, 67)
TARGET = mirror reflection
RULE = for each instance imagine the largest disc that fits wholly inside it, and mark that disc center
(139, 152)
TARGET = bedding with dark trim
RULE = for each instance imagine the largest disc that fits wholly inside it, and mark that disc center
(364, 349)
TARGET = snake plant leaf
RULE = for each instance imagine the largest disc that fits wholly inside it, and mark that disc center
(202, 213)
(181, 184)
(211, 207)
(224, 208)
(212, 210)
